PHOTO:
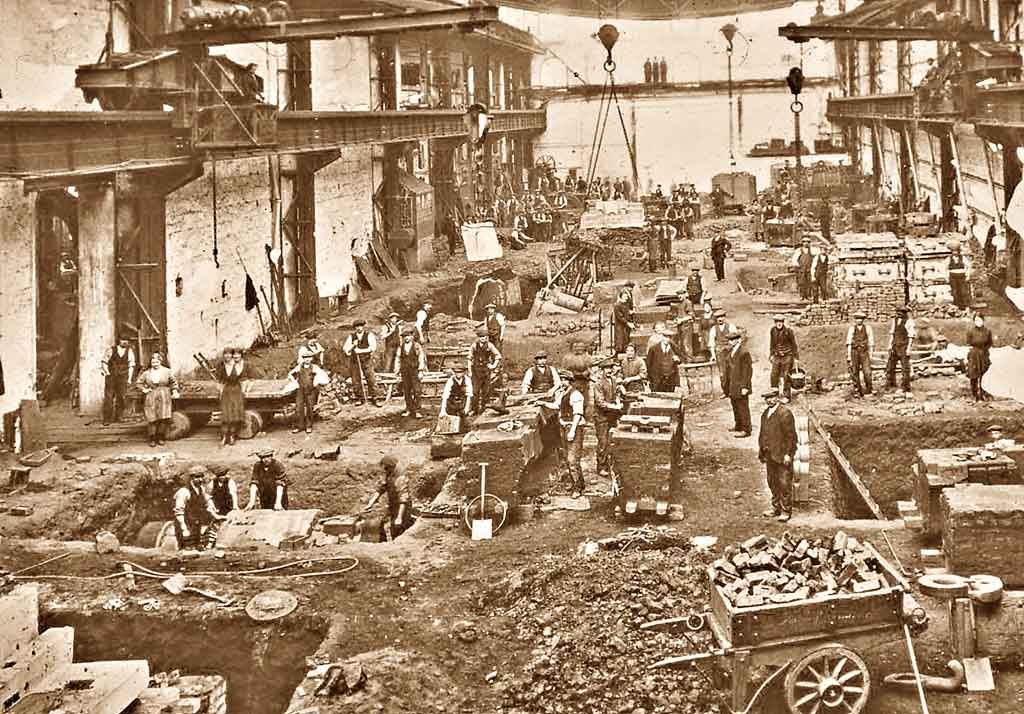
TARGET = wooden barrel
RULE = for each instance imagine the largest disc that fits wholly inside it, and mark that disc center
(157, 534)
(803, 423)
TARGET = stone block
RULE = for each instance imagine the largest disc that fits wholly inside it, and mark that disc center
(19, 620)
(983, 531)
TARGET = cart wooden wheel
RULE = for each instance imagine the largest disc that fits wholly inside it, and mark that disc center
(252, 424)
(180, 426)
(831, 679)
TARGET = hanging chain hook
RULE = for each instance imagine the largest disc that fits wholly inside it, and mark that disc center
(608, 35)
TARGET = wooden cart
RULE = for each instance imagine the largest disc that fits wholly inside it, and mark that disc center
(812, 645)
(199, 400)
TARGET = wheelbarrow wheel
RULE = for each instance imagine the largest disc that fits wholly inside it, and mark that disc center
(831, 679)
(180, 426)
(252, 424)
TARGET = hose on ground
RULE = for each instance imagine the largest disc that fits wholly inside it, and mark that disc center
(257, 572)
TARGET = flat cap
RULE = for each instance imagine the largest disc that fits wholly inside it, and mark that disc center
(860, 313)
(995, 427)
(490, 306)
(481, 331)
(359, 323)
(718, 313)
(458, 367)
(263, 453)
(806, 240)
(408, 331)
(196, 471)
(903, 308)
(695, 269)
(541, 355)
(773, 392)
(778, 317)
(220, 469)
(393, 314)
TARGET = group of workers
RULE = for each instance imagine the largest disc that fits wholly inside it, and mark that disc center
(208, 495)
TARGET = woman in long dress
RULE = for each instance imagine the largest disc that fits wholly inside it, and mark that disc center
(160, 387)
(232, 401)
(979, 338)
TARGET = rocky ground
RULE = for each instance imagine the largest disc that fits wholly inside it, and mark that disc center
(440, 623)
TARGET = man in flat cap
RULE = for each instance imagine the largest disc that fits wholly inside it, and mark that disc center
(783, 354)
(663, 362)
(572, 417)
(391, 336)
(360, 347)
(268, 487)
(494, 321)
(604, 395)
(457, 395)
(901, 337)
(484, 361)
(695, 288)
(802, 261)
(224, 490)
(720, 247)
(540, 378)
(718, 343)
(411, 364)
(193, 509)
(741, 372)
(623, 321)
(860, 342)
(776, 447)
(686, 340)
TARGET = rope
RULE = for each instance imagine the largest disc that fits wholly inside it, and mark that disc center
(145, 572)
(625, 134)
(593, 142)
(609, 94)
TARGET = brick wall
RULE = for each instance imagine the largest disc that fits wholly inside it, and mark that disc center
(43, 43)
(878, 302)
(344, 213)
(202, 318)
(17, 294)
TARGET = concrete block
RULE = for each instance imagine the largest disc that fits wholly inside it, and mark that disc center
(93, 687)
(39, 659)
(19, 621)
(983, 530)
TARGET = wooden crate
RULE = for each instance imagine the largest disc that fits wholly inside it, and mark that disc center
(824, 616)
(983, 531)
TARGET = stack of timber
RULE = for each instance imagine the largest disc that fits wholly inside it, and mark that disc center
(983, 531)
(764, 570)
(377, 266)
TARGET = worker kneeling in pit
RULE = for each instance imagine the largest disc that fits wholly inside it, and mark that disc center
(268, 488)
(395, 484)
(193, 510)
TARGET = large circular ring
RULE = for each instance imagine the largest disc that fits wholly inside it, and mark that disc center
(609, 65)
(797, 106)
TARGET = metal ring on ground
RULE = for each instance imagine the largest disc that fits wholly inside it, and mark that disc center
(943, 586)
(797, 106)
(985, 589)
(695, 622)
(918, 616)
(609, 65)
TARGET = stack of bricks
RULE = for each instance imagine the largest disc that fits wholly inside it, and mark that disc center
(983, 531)
(877, 302)
(183, 695)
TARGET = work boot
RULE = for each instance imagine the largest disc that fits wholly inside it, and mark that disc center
(771, 513)
(782, 517)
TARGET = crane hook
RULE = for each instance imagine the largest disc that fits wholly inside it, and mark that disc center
(609, 35)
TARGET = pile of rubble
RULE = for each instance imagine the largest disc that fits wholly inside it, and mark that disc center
(556, 329)
(766, 570)
(591, 655)
(939, 310)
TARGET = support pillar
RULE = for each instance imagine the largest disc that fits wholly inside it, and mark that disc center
(398, 74)
(97, 296)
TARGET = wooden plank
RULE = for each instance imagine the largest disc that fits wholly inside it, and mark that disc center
(847, 468)
(561, 270)
(112, 687)
(385, 255)
(366, 270)
(19, 620)
(44, 655)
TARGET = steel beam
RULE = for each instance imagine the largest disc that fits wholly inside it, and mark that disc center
(463, 18)
(83, 145)
(802, 33)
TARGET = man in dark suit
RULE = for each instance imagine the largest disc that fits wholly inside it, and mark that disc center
(776, 446)
(740, 373)
(783, 354)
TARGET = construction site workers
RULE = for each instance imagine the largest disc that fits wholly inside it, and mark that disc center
(979, 339)
(819, 277)
(540, 378)
(484, 361)
(232, 400)
(395, 484)
(160, 388)
(738, 383)
(411, 364)
(720, 347)
(224, 490)
(666, 234)
(622, 321)
(776, 446)
(314, 348)
(783, 354)
(193, 509)
(720, 247)
(958, 277)
(860, 343)
(633, 372)
(423, 323)
(494, 321)
(391, 336)
(901, 337)
(572, 416)
(118, 369)
(653, 246)
(360, 347)
(306, 378)
(802, 261)
(457, 394)
(268, 487)
(686, 341)
(695, 288)
(604, 395)
(663, 363)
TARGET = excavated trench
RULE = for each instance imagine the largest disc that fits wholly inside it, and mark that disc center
(263, 664)
(882, 452)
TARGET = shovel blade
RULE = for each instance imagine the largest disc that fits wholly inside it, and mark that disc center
(175, 584)
(482, 529)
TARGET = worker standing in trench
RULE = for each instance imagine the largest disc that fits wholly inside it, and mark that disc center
(860, 343)
(268, 488)
(958, 277)
(484, 361)
(192, 509)
(395, 484)
(604, 396)
(776, 445)
(572, 416)
(410, 363)
(979, 338)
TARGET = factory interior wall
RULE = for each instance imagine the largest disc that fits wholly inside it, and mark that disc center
(17, 294)
(341, 74)
(43, 44)
(210, 312)
(570, 130)
(975, 171)
(344, 217)
(890, 148)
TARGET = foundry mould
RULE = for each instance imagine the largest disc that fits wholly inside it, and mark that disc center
(866, 260)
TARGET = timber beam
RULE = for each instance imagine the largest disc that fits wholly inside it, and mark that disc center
(466, 18)
(803, 33)
(72, 146)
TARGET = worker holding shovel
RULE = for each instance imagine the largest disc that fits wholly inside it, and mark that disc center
(395, 484)
(360, 347)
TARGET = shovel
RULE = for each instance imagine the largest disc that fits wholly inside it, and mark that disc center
(482, 527)
(177, 584)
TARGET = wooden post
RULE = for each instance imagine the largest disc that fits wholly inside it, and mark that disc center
(913, 163)
(959, 174)
(961, 627)
(740, 679)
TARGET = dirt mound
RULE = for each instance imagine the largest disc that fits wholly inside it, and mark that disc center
(583, 616)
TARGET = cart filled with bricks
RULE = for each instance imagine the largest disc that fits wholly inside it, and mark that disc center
(807, 609)
(646, 443)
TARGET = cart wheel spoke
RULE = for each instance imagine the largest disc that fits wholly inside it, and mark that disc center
(838, 668)
(807, 699)
(854, 690)
(806, 685)
(853, 674)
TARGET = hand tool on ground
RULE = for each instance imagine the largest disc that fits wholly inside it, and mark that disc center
(177, 585)
(913, 664)
(893, 551)
(482, 527)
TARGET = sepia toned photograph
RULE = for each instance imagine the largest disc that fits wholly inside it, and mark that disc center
(565, 357)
